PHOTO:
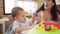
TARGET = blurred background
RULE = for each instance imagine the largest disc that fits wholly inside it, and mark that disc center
(30, 6)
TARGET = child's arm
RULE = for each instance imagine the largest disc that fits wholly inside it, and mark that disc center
(20, 29)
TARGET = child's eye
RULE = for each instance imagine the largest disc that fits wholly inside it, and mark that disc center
(23, 16)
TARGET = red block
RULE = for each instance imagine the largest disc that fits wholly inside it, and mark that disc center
(52, 23)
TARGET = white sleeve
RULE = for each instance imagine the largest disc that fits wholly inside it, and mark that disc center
(15, 25)
(29, 21)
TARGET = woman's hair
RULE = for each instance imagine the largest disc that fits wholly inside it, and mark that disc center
(53, 10)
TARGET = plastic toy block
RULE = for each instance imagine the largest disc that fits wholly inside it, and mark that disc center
(41, 24)
(53, 24)
(35, 14)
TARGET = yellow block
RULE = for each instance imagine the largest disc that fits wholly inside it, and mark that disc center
(53, 27)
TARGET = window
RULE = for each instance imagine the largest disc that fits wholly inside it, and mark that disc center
(28, 6)
(8, 5)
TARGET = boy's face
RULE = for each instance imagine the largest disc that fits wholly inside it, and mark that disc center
(21, 16)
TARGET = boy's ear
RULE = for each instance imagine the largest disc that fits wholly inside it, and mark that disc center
(15, 17)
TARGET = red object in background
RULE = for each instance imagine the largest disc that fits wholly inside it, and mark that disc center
(52, 23)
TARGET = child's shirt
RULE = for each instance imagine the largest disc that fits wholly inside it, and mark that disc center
(17, 24)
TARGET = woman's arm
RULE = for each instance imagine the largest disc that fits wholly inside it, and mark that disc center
(36, 18)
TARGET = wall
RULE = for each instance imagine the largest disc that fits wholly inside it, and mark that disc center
(1, 12)
(1, 8)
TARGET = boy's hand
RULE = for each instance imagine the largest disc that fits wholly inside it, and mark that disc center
(28, 27)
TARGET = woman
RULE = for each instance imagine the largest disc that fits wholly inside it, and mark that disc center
(48, 11)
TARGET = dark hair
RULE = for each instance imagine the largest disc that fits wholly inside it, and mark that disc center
(53, 10)
(15, 11)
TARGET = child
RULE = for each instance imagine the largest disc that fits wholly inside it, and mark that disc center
(21, 23)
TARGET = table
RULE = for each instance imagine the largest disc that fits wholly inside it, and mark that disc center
(42, 31)
(2, 21)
